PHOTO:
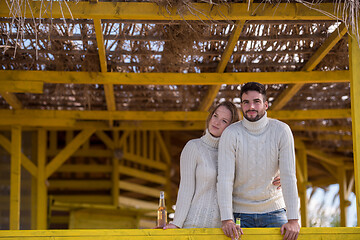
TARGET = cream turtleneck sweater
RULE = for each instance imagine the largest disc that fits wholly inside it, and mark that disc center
(196, 205)
(250, 155)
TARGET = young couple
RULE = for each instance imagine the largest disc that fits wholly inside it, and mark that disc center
(233, 176)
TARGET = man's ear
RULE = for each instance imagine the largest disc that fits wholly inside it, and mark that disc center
(266, 105)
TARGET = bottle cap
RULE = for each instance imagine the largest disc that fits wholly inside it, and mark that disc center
(238, 221)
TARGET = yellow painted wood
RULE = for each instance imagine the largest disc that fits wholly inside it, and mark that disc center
(11, 99)
(105, 139)
(34, 155)
(315, 59)
(98, 199)
(15, 178)
(335, 233)
(91, 152)
(225, 57)
(80, 184)
(53, 140)
(115, 172)
(329, 137)
(142, 175)
(68, 151)
(320, 128)
(25, 161)
(78, 168)
(335, 161)
(163, 148)
(310, 114)
(41, 203)
(176, 78)
(133, 187)
(69, 136)
(342, 192)
(145, 161)
(354, 58)
(138, 204)
(20, 87)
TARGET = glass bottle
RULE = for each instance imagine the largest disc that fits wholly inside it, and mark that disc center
(161, 212)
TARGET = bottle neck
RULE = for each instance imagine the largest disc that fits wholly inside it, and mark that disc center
(162, 202)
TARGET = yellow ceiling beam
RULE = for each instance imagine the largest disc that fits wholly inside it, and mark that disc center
(20, 86)
(108, 88)
(174, 78)
(225, 57)
(151, 11)
(11, 99)
(319, 55)
(334, 161)
(49, 115)
(320, 128)
(57, 161)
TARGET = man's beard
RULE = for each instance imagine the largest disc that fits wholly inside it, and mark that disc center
(257, 117)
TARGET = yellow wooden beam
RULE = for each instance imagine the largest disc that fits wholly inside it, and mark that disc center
(349, 233)
(151, 177)
(133, 187)
(11, 99)
(68, 151)
(324, 49)
(41, 199)
(138, 204)
(225, 57)
(163, 147)
(82, 168)
(341, 176)
(334, 161)
(320, 128)
(87, 198)
(108, 88)
(144, 161)
(354, 58)
(91, 152)
(80, 184)
(15, 178)
(105, 139)
(25, 161)
(163, 116)
(197, 11)
(68, 77)
(21, 86)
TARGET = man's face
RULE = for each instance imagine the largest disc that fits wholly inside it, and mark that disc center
(253, 106)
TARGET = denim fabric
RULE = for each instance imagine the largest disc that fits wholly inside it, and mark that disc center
(262, 220)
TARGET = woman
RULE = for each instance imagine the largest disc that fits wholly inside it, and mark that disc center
(196, 205)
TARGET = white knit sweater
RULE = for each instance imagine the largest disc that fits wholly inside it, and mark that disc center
(250, 156)
(196, 205)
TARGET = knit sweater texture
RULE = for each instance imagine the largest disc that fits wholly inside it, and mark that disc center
(251, 154)
(196, 205)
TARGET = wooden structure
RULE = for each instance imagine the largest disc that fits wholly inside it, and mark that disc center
(111, 92)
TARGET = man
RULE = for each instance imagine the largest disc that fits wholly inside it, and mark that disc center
(251, 153)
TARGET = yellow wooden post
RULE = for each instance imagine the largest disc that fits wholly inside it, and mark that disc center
(15, 178)
(33, 184)
(342, 194)
(41, 217)
(302, 187)
(354, 57)
(115, 172)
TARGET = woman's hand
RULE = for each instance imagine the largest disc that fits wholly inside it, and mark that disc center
(277, 182)
(170, 226)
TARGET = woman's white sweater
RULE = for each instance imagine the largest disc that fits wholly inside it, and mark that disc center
(197, 205)
(250, 155)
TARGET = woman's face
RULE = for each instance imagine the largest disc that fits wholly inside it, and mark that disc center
(219, 121)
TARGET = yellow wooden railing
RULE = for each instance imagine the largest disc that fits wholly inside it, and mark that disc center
(348, 233)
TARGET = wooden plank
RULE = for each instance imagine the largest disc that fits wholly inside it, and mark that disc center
(354, 58)
(11, 99)
(68, 151)
(25, 161)
(176, 78)
(138, 204)
(144, 161)
(163, 148)
(199, 11)
(225, 57)
(41, 199)
(15, 178)
(105, 139)
(20, 87)
(80, 184)
(78, 168)
(335, 233)
(142, 175)
(133, 187)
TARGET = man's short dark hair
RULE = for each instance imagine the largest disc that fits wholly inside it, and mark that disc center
(253, 86)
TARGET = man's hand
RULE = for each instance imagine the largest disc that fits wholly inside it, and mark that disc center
(291, 229)
(230, 229)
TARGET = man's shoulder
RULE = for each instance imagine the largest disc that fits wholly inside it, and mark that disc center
(278, 123)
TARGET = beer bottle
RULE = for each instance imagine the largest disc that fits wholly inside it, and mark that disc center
(161, 212)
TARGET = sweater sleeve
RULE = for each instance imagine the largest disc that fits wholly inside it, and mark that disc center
(226, 173)
(288, 173)
(187, 182)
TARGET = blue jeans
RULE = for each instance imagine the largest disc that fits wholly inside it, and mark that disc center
(262, 220)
